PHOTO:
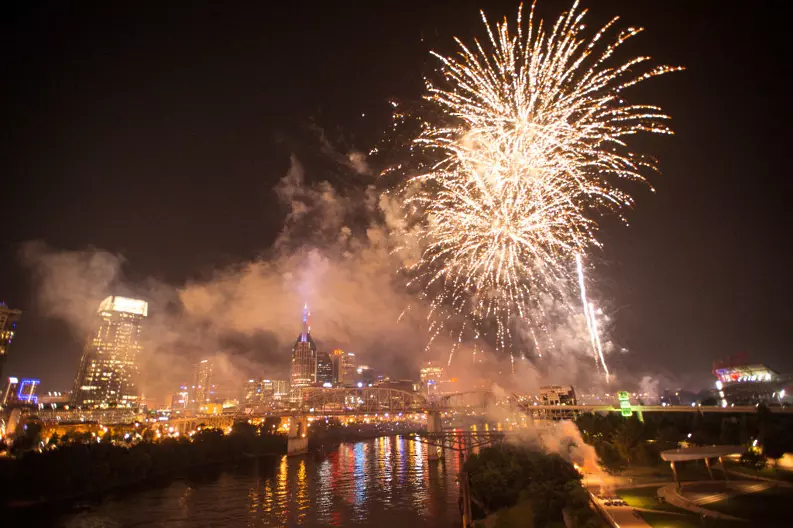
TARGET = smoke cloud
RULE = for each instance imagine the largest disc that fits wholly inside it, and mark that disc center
(340, 252)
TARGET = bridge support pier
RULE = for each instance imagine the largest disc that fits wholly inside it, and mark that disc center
(297, 440)
(434, 426)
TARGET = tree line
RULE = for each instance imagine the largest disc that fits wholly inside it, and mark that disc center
(623, 442)
(81, 465)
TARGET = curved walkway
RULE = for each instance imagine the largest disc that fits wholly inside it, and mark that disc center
(694, 502)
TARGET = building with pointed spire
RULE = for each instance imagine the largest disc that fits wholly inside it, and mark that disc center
(303, 372)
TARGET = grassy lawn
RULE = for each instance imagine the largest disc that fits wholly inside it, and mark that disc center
(669, 520)
(771, 473)
(768, 508)
(646, 498)
(666, 515)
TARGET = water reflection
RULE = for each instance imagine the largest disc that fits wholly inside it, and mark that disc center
(324, 500)
(303, 502)
(359, 476)
(386, 482)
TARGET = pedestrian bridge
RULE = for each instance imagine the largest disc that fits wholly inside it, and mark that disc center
(356, 400)
(378, 400)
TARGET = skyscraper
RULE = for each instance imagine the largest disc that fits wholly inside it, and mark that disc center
(324, 369)
(108, 369)
(202, 382)
(349, 371)
(280, 390)
(256, 391)
(344, 366)
(304, 360)
(337, 365)
(8, 325)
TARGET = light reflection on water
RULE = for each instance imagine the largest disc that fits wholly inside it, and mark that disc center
(385, 482)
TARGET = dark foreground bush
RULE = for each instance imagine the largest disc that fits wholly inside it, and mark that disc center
(543, 484)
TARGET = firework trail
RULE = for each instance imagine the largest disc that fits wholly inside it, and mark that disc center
(591, 320)
(530, 149)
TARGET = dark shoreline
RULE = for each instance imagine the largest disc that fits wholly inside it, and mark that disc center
(72, 502)
(319, 447)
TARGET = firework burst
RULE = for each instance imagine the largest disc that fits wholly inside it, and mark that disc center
(531, 149)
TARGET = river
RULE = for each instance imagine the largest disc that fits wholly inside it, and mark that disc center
(385, 482)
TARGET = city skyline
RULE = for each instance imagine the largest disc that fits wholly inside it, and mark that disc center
(396, 264)
(661, 279)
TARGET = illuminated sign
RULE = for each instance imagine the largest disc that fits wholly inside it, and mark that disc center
(115, 303)
(744, 373)
(27, 391)
(625, 403)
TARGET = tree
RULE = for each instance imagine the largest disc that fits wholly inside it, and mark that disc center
(270, 425)
(28, 436)
(609, 455)
(730, 431)
(764, 422)
(503, 476)
(778, 441)
(628, 436)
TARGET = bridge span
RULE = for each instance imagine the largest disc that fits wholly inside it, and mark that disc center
(394, 403)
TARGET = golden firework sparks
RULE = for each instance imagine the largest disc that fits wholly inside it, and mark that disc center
(536, 150)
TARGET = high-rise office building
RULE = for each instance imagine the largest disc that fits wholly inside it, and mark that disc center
(265, 392)
(179, 400)
(108, 369)
(337, 365)
(431, 372)
(365, 376)
(349, 371)
(344, 367)
(280, 389)
(303, 372)
(8, 325)
(256, 391)
(202, 383)
(324, 369)
(9, 390)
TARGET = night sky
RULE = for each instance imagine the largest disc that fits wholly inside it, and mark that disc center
(158, 132)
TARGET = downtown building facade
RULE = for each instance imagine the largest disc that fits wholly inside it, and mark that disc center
(108, 372)
(324, 370)
(8, 325)
(202, 389)
(344, 367)
(265, 393)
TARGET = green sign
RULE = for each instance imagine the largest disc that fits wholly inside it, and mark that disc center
(625, 403)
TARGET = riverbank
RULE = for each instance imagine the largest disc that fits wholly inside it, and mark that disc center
(77, 471)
